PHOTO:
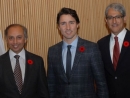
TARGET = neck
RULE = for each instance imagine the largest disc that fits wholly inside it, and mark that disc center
(69, 41)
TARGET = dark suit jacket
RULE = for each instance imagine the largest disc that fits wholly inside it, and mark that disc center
(35, 84)
(87, 67)
(118, 81)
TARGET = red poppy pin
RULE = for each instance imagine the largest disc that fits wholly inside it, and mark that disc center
(126, 43)
(30, 62)
(82, 49)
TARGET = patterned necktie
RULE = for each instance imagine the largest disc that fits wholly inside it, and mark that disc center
(68, 62)
(17, 74)
(116, 52)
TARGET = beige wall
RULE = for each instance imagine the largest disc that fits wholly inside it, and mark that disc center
(39, 16)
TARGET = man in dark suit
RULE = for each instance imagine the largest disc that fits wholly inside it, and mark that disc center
(116, 53)
(22, 74)
(72, 72)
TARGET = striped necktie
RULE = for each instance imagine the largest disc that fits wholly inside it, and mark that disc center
(17, 74)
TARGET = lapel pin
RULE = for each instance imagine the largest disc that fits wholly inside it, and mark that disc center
(81, 48)
(30, 62)
(126, 43)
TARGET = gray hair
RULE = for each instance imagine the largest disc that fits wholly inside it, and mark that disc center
(116, 6)
(13, 25)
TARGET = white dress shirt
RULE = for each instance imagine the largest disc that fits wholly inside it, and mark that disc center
(121, 37)
(21, 61)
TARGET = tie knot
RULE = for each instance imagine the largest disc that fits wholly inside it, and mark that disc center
(16, 56)
(69, 46)
(116, 38)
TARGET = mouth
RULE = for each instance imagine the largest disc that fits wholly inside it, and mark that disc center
(114, 25)
(15, 46)
(68, 31)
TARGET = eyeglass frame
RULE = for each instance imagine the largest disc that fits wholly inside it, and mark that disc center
(115, 17)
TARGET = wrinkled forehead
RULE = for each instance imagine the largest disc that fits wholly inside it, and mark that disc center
(15, 30)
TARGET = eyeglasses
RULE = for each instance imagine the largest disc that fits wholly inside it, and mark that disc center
(116, 17)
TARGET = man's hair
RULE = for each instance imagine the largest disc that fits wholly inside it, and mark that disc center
(116, 6)
(68, 11)
(15, 25)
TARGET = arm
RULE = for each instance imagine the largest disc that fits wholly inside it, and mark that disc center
(42, 83)
(51, 77)
(98, 71)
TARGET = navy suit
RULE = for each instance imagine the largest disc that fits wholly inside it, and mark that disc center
(35, 84)
(118, 81)
(87, 68)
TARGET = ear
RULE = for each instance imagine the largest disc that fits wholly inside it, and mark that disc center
(77, 25)
(58, 27)
(6, 38)
(25, 41)
(125, 19)
(105, 20)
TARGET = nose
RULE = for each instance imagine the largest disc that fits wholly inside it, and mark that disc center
(114, 20)
(68, 26)
(14, 40)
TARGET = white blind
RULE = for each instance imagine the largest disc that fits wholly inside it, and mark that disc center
(2, 48)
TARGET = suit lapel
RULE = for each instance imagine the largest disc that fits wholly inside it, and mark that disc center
(107, 52)
(77, 55)
(8, 71)
(28, 68)
(59, 55)
(124, 48)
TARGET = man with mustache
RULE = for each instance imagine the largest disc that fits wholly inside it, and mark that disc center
(22, 74)
(115, 50)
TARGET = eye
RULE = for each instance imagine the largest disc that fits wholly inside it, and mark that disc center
(63, 23)
(118, 17)
(109, 17)
(19, 37)
(71, 22)
(10, 38)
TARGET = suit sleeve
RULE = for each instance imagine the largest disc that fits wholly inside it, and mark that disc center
(98, 71)
(51, 76)
(42, 81)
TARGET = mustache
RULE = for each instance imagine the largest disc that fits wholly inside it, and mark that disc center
(68, 30)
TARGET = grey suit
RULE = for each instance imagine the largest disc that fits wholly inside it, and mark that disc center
(87, 68)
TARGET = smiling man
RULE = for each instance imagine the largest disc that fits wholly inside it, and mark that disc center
(74, 64)
(22, 74)
(115, 50)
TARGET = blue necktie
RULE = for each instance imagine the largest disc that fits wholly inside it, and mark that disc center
(68, 62)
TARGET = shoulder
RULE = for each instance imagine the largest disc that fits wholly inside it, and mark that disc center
(57, 45)
(5, 55)
(87, 45)
(32, 55)
(104, 39)
(128, 32)
(85, 42)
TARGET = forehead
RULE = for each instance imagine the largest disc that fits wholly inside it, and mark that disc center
(113, 12)
(15, 30)
(67, 17)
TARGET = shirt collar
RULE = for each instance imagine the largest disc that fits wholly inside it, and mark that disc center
(121, 35)
(21, 54)
(74, 43)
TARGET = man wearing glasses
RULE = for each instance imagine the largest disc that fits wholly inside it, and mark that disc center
(115, 51)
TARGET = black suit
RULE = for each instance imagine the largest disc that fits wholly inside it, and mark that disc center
(35, 84)
(118, 81)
